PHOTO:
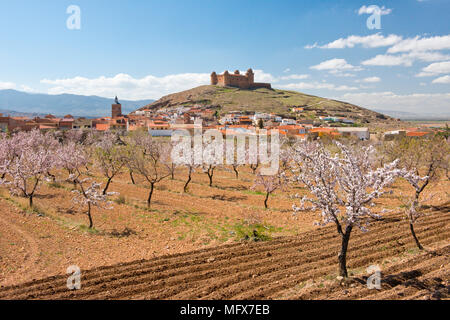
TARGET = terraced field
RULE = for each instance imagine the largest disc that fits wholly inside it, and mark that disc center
(301, 267)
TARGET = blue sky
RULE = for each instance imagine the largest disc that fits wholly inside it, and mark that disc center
(147, 49)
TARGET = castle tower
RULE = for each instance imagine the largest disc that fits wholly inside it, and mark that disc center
(214, 80)
(250, 76)
(226, 78)
(116, 109)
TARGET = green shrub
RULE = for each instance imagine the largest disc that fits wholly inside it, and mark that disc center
(252, 232)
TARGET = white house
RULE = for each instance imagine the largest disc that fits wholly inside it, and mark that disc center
(361, 133)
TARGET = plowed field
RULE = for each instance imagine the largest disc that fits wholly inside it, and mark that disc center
(300, 267)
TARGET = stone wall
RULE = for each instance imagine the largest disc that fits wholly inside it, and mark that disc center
(237, 80)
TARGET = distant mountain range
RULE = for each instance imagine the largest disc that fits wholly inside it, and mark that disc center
(23, 103)
(12, 113)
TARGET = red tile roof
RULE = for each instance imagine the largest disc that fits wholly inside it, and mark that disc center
(416, 134)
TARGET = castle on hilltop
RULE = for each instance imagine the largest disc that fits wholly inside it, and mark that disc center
(238, 80)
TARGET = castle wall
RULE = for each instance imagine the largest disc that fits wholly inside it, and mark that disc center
(237, 80)
(262, 85)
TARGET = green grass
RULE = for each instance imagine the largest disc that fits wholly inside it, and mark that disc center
(56, 185)
(252, 192)
(253, 232)
(85, 228)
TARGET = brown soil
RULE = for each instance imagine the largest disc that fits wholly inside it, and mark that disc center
(188, 246)
(279, 269)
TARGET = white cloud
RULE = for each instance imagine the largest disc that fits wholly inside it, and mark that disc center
(7, 85)
(335, 64)
(287, 70)
(317, 85)
(12, 85)
(261, 76)
(295, 77)
(338, 73)
(27, 89)
(404, 59)
(416, 103)
(372, 41)
(371, 80)
(374, 9)
(422, 44)
(435, 69)
(388, 60)
(444, 80)
(312, 46)
(128, 87)
(428, 56)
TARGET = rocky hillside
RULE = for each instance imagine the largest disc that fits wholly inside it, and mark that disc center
(227, 99)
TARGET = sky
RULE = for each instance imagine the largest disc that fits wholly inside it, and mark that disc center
(145, 49)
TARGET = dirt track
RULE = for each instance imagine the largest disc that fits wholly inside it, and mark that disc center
(279, 269)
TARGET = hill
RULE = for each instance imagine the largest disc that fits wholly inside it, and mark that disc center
(228, 99)
(62, 104)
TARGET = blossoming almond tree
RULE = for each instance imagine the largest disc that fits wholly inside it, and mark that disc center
(213, 157)
(135, 140)
(189, 162)
(149, 160)
(90, 196)
(109, 157)
(33, 155)
(346, 181)
(7, 153)
(71, 156)
(270, 184)
(424, 161)
(74, 135)
(183, 153)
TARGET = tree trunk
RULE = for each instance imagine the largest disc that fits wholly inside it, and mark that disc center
(210, 180)
(30, 198)
(343, 254)
(91, 223)
(149, 200)
(187, 183)
(265, 200)
(132, 178)
(52, 176)
(411, 226)
(236, 172)
(210, 173)
(107, 186)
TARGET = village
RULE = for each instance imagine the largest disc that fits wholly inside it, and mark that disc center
(164, 121)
